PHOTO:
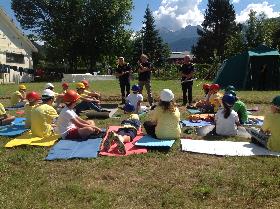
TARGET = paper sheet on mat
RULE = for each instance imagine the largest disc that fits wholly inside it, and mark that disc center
(225, 148)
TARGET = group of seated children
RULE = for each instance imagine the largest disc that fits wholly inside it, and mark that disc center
(163, 124)
(230, 111)
(233, 113)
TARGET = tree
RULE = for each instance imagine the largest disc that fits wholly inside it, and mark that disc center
(76, 30)
(218, 25)
(235, 43)
(149, 41)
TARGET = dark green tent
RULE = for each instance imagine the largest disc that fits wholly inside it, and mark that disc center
(257, 69)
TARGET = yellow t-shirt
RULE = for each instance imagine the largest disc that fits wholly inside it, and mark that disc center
(167, 123)
(2, 110)
(87, 92)
(41, 119)
(15, 98)
(271, 123)
(27, 111)
(216, 101)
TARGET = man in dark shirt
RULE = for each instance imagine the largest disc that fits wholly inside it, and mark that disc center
(187, 71)
(144, 78)
(123, 72)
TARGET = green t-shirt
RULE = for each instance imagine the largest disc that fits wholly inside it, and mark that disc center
(241, 110)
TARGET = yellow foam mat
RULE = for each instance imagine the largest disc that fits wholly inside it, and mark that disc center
(28, 139)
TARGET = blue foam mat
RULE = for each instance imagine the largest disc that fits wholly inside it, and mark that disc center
(187, 123)
(148, 141)
(16, 128)
(69, 149)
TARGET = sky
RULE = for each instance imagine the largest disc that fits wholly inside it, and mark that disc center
(177, 14)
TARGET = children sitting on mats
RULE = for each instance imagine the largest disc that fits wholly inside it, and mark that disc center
(135, 98)
(18, 98)
(43, 116)
(5, 119)
(124, 134)
(86, 102)
(268, 136)
(69, 124)
(240, 108)
(90, 93)
(33, 100)
(227, 119)
(164, 123)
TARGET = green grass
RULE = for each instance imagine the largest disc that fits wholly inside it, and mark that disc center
(153, 180)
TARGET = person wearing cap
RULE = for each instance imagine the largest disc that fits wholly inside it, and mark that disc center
(215, 98)
(123, 135)
(239, 107)
(206, 89)
(65, 87)
(94, 95)
(135, 98)
(69, 124)
(144, 77)
(164, 119)
(269, 134)
(226, 119)
(43, 116)
(18, 98)
(187, 71)
(86, 102)
(5, 119)
(33, 100)
(123, 72)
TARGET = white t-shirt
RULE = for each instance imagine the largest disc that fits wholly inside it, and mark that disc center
(134, 99)
(226, 126)
(64, 123)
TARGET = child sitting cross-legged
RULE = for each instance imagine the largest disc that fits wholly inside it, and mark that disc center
(269, 135)
(44, 116)
(135, 98)
(18, 98)
(164, 123)
(69, 124)
(124, 134)
(227, 119)
(33, 100)
(203, 102)
(5, 119)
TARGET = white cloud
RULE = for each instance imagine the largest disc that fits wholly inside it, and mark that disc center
(264, 7)
(235, 1)
(176, 14)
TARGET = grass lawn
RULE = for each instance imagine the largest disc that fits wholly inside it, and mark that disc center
(153, 180)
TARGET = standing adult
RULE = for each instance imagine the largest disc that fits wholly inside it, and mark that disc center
(144, 77)
(187, 70)
(123, 72)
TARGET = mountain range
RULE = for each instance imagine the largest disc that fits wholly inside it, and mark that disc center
(180, 40)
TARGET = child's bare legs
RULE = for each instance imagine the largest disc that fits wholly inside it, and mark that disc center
(91, 122)
(8, 120)
(86, 131)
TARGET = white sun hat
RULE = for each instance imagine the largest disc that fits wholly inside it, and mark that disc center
(48, 85)
(166, 95)
(47, 93)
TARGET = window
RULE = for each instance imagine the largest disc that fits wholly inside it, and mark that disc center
(15, 58)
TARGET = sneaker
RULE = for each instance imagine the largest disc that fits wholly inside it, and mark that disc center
(121, 147)
(108, 141)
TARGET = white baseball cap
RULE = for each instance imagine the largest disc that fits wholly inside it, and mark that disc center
(166, 95)
(48, 85)
(47, 93)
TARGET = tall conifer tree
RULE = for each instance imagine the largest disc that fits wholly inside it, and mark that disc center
(218, 25)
